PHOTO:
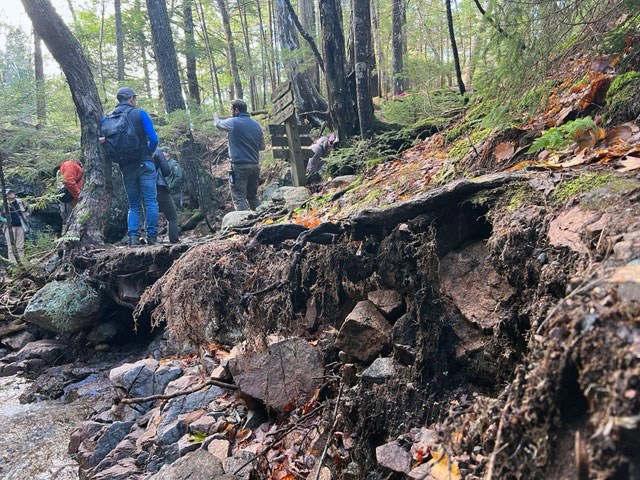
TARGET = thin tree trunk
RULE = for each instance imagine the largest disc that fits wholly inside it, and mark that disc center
(41, 102)
(73, 12)
(377, 42)
(100, 59)
(397, 47)
(190, 52)
(308, 21)
(267, 50)
(454, 48)
(253, 93)
(119, 41)
(341, 109)
(142, 43)
(274, 50)
(89, 219)
(231, 50)
(213, 70)
(166, 58)
(362, 45)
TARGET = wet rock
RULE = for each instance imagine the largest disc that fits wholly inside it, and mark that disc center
(291, 196)
(392, 456)
(404, 338)
(219, 448)
(364, 333)
(288, 372)
(67, 306)
(95, 384)
(198, 465)
(18, 340)
(389, 302)
(235, 219)
(143, 378)
(381, 370)
(240, 458)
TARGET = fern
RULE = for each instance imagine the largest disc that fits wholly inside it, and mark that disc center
(558, 138)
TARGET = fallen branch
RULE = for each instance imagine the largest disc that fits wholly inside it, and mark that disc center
(150, 398)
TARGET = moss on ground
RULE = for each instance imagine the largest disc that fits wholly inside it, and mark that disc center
(623, 98)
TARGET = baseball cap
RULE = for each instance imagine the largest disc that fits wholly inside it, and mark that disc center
(125, 92)
(9, 189)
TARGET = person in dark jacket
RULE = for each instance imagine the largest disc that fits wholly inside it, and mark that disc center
(165, 199)
(139, 177)
(16, 220)
(246, 140)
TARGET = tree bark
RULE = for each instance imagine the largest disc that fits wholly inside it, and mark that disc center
(231, 50)
(308, 22)
(253, 91)
(142, 43)
(454, 48)
(341, 107)
(119, 41)
(165, 53)
(397, 40)
(41, 102)
(362, 47)
(213, 70)
(306, 95)
(190, 52)
(89, 219)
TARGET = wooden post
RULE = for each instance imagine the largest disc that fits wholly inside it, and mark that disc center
(298, 172)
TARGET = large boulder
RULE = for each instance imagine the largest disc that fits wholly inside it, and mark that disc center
(67, 306)
(143, 378)
(364, 333)
(292, 196)
(236, 219)
(288, 372)
(198, 465)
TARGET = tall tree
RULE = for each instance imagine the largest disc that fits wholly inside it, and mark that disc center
(397, 41)
(213, 71)
(362, 50)
(307, 97)
(190, 52)
(341, 111)
(119, 41)
(141, 39)
(89, 219)
(454, 48)
(253, 90)
(41, 103)
(165, 52)
(307, 17)
(231, 49)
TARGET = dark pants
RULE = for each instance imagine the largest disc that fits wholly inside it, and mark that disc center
(168, 209)
(244, 186)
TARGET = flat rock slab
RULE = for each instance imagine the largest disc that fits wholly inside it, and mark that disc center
(566, 229)
(143, 378)
(198, 465)
(392, 456)
(381, 370)
(364, 333)
(287, 373)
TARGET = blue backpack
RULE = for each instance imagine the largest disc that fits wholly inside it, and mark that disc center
(122, 143)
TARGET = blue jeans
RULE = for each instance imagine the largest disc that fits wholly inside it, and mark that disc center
(140, 185)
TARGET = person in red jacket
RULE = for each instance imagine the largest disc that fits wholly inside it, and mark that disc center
(69, 186)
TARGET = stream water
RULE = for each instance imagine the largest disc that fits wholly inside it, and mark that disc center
(34, 437)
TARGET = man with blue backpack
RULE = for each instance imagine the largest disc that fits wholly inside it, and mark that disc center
(130, 139)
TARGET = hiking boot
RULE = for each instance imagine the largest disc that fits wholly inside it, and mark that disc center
(133, 242)
(152, 240)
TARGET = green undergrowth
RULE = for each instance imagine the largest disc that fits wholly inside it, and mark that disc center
(414, 107)
(585, 182)
(623, 98)
(558, 138)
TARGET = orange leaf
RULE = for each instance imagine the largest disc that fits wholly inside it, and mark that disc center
(629, 164)
(504, 151)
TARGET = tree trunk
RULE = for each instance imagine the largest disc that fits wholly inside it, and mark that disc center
(213, 70)
(190, 52)
(142, 43)
(165, 53)
(41, 103)
(89, 219)
(362, 47)
(341, 109)
(307, 17)
(454, 48)
(253, 91)
(231, 50)
(397, 46)
(377, 42)
(307, 97)
(267, 55)
(100, 57)
(119, 41)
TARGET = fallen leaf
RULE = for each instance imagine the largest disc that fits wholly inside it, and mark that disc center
(243, 434)
(629, 164)
(621, 133)
(504, 151)
(442, 468)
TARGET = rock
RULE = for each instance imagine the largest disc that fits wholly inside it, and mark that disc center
(235, 219)
(91, 386)
(49, 351)
(392, 456)
(171, 432)
(291, 196)
(219, 449)
(104, 332)
(18, 340)
(85, 430)
(125, 469)
(204, 425)
(185, 445)
(239, 459)
(143, 378)
(364, 333)
(341, 181)
(67, 306)
(389, 302)
(381, 370)
(404, 338)
(94, 449)
(198, 465)
(188, 403)
(289, 372)
(424, 440)
(421, 472)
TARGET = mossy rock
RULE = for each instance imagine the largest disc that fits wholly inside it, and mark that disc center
(623, 99)
(67, 306)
